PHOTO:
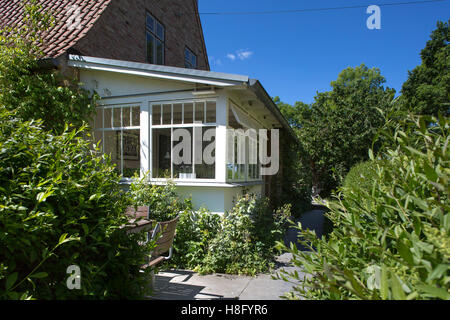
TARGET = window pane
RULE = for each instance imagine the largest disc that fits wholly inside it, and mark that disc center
(112, 147)
(177, 113)
(150, 23)
(160, 31)
(98, 120)
(161, 153)
(156, 114)
(159, 52)
(232, 121)
(193, 61)
(199, 112)
(126, 117)
(107, 117)
(188, 112)
(167, 114)
(131, 152)
(211, 111)
(150, 48)
(207, 169)
(136, 116)
(183, 169)
(116, 117)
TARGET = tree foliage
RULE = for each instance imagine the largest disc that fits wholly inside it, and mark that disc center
(31, 90)
(390, 240)
(427, 89)
(337, 129)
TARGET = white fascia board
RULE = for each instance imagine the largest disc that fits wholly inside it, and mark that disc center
(169, 73)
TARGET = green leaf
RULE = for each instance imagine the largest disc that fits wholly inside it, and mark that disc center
(405, 252)
(39, 275)
(371, 154)
(397, 289)
(434, 291)
(384, 285)
(10, 280)
(438, 272)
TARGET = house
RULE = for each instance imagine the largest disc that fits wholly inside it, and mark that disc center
(162, 110)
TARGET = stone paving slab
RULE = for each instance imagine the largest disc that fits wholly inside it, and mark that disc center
(188, 285)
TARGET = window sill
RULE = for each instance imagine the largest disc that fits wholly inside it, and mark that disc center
(194, 183)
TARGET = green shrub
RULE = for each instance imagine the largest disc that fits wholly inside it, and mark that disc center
(195, 231)
(246, 239)
(163, 201)
(59, 206)
(390, 241)
(361, 178)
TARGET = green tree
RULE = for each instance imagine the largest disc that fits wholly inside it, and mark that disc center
(427, 89)
(27, 87)
(338, 128)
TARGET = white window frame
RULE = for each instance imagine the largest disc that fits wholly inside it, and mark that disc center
(245, 126)
(182, 125)
(120, 128)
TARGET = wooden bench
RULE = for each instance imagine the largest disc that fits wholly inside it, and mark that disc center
(161, 232)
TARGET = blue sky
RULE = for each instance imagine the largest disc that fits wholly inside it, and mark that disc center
(294, 55)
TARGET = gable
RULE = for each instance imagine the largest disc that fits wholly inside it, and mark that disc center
(117, 29)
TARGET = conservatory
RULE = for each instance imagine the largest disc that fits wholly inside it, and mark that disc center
(214, 134)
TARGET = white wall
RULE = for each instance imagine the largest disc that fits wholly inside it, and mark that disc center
(215, 199)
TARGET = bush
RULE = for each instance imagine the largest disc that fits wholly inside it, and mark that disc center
(163, 201)
(390, 241)
(361, 177)
(60, 206)
(242, 241)
(195, 231)
(245, 242)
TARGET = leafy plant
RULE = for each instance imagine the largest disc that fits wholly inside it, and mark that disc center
(163, 201)
(195, 231)
(245, 242)
(391, 240)
(54, 189)
(31, 90)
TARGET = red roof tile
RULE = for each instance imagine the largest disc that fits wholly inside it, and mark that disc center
(59, 38)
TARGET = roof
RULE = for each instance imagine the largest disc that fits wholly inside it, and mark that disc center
(181, 74)
(157, 71)
(64, 34)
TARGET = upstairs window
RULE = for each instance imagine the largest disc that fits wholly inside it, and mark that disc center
(155, 40)
(190, 59)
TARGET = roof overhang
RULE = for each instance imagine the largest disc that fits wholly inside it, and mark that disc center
(157, 71)
(224, 80)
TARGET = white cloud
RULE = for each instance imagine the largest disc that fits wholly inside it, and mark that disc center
(231, 56)
(244, 54)
(214, 61)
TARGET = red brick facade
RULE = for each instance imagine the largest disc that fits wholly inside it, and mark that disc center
(120, 33)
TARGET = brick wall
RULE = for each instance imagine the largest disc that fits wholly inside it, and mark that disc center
(120, 32)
